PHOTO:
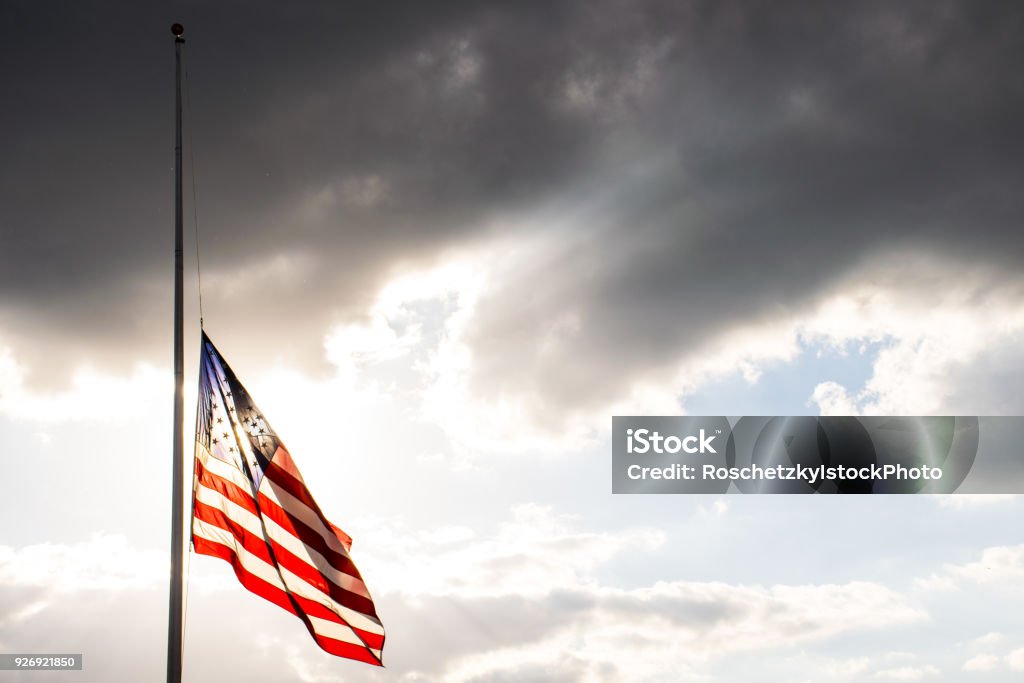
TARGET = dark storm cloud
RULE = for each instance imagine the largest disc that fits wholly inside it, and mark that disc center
(782, 143)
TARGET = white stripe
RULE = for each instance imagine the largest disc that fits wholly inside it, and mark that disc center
(295, 584)
(226, 471)
(283, 537)
(330, 628)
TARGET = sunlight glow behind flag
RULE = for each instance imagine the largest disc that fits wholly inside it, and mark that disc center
(251, 507)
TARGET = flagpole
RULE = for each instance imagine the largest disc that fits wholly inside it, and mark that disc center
(174, 616)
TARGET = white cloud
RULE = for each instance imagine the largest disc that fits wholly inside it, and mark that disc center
(536, 591)
(989, 639)
(674, 630)
(421, 340)
(936, 583)
(359, 191)
(104, 562)
(589, 630)
(92, 395)
(36, 577)
(833, 399)
(718, 508)
(465, 65)
(594, 90)
(283, 269)
(963, 501)
(997, 564)
(830, 668)
(928, 337)
(534, 553)
(418, 346)
(1015, 660)
(908, 673)
(982, 663)
(928, 331)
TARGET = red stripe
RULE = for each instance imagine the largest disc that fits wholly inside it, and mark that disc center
(282, 599)
(349, 650)
(226, 488)
(257, 545)
(284, 459)
(345, 539)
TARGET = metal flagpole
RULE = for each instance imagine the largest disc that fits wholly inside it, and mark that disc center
(174, 617)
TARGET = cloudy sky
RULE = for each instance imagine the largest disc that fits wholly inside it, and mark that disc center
(442, 244)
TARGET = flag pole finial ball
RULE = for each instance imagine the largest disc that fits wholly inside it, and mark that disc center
(178, 30)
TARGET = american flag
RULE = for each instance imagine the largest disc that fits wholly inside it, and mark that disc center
(251, 507)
